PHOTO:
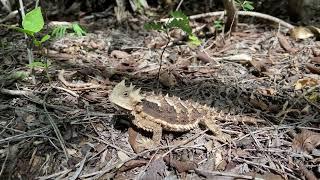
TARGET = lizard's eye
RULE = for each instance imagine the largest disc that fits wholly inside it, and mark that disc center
(126, 94)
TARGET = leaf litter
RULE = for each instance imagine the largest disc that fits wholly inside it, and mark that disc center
(256, 71)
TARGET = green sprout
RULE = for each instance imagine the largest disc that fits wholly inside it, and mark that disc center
(60, 31)
(178, 20)
(245, 5)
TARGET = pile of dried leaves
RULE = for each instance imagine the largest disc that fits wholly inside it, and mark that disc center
(67, 128)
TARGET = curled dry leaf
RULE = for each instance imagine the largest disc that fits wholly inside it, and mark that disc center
(156, 170)
(306, 141)
(204, 57)
(316, 60)
(122, 156)
(313, 69)
(259, 65)
(314, 30)
(285, 44)
(308, 174)
(119, 54)
(306, 82)
(167, 78)
(301, 33)
(181, 166)
(132, 164)
(267, 91)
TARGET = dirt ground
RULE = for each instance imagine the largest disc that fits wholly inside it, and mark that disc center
(64, 126)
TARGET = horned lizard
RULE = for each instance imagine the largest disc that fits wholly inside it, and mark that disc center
(155, 113)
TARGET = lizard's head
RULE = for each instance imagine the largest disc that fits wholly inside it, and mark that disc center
(125, 97)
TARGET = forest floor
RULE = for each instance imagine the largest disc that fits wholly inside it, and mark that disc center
(257, 71)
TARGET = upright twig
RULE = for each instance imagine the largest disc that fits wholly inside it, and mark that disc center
(161, 58)
(29, 48)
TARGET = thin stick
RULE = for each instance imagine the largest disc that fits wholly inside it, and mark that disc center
(29, 49)
(241, 13)
(161, 56)
(55, 127)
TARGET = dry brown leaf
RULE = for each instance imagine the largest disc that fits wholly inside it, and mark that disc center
(314, 30)
(119, 54)
(306, 141)
(313, 69)
(122, 156)
(167, 78)
(301, 33)
(259, 65)
(266, 91)
(315, 60)
(132, 164)
(257, 103)
(181, 166)
(267, 176)
(308, 174)
(156, 170)
(285, 44)
(204, 57)
(306, 82)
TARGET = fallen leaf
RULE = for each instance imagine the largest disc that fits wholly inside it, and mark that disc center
(301, 33)
(132, 164)
(167, 78)
(122, 156)
(306, 82)
(259, 65)
(266, 91)
(313, 69)
(71, 151)
(307, 173)
(181, 166)
(315, 60)
(285, 44)
(156, 170)
(306, 141)
(119, 54)
(204, 57)
(314, 30)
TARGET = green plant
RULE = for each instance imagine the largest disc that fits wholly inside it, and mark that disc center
(178, 20)
(60, 31)
(39, 64)
(245, 5)
(218, 24)
(33, 23)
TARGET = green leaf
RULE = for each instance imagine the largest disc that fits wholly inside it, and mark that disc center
(194, 40)
(45, 38)
(18, 75)
(180, 23)
(38, 64)
(179, 14)
(248, 6)
(36, 42)
(78, 30)
(217, 24)
(154, 26)
(29, 33)
(33, 21)
(59, 31)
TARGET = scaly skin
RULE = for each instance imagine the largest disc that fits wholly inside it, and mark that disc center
(156, 113)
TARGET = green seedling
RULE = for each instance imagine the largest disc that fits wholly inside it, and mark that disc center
(61, 31)
(245, 5)
(178, 20)
(218, 24)
(33, 23)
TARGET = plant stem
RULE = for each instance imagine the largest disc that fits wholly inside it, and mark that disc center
(161, 58)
